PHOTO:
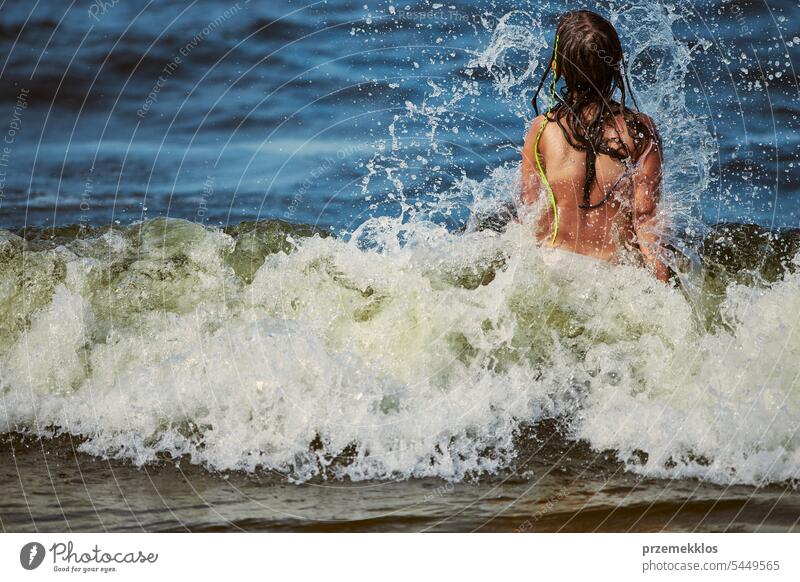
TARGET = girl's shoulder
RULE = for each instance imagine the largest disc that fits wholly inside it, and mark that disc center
(640, 132)
(536, 129)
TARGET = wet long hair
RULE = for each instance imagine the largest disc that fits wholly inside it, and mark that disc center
(589, 58)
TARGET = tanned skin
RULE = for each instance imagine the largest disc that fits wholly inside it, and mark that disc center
(627, 218)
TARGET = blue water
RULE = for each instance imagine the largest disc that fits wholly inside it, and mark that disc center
(219, 112)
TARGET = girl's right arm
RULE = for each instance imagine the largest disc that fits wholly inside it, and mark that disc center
(647, 220)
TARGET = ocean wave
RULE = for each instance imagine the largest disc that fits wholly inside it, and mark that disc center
(277, 348)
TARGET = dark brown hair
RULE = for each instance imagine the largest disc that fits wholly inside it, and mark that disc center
(589, 58)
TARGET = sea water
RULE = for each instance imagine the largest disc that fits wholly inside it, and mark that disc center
(281, 263)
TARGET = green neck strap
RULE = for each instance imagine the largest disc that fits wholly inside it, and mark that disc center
(539, 167)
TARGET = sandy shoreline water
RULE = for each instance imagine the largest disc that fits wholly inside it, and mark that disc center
(48, 488)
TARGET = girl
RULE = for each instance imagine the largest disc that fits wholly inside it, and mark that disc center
(597, 162)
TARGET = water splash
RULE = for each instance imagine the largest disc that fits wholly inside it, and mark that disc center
(412, 360)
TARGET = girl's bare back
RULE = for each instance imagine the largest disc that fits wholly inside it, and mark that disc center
(596, 159)
(632, 191)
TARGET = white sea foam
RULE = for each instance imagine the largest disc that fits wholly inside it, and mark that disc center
(397, 358)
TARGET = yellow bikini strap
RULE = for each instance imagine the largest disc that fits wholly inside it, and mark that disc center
(545, 182)
(536, 146)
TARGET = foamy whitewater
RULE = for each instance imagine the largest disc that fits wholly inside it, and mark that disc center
(415, 360)
(402, 349)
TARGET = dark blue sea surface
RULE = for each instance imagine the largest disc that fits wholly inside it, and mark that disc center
(219, 112)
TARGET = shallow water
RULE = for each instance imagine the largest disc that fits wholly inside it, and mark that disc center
(50, 488)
